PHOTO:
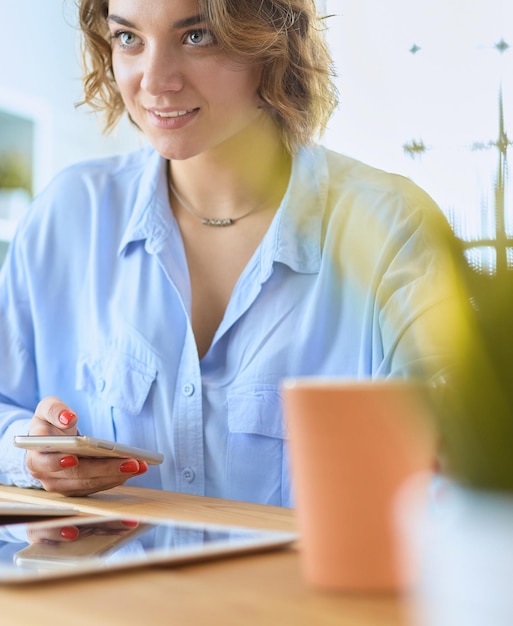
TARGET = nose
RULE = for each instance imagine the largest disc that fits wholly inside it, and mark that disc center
(162, 71)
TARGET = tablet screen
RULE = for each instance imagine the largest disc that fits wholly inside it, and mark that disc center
(79, 546)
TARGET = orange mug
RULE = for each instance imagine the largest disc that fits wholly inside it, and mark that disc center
(352, 445)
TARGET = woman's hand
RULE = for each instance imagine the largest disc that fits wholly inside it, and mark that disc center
(71, 475)
(110, 531)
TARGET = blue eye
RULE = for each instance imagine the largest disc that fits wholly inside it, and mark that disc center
(200, 37)
(127, 39)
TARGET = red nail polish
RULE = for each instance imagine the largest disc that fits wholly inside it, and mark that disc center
(68, 461)
(143, 467)
(66, 417)
(129, 467)
(69, 532)
(130, 523)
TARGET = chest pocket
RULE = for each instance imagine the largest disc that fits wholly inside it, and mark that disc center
(117, 387)
(257, 461)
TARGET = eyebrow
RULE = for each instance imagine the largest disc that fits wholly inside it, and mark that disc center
(185, 23)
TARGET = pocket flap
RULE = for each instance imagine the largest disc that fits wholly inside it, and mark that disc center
(256, 410)
(122, 381)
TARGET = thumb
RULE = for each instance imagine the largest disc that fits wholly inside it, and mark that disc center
(51, 411)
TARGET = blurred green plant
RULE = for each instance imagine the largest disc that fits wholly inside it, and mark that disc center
(475, 408)
(15, 172)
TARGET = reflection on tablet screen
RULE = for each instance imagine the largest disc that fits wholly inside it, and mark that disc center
(45, 550)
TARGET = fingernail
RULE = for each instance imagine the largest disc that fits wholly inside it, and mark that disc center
(66, 417)
(68, 461)
(143, 467)
(69, 532)
(129, 467)
(130, 523)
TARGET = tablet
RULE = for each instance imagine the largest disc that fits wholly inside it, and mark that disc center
(25, 508)
(37, 551)
(80, 445)
(11, 512)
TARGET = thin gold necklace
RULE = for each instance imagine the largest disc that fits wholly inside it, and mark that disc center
(210, 221)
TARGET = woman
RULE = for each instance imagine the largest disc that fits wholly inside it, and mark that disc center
(160, 298)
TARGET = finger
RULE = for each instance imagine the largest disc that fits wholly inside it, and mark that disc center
(52, 416)
(58, 464)
(143, 467)
(89, 476)
(53, 535)
(84, 487)
(43, 465)
(111, 527)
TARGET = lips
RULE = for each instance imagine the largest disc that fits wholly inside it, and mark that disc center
(171, 119)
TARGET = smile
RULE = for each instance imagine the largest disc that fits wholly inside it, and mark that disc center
(172, 113)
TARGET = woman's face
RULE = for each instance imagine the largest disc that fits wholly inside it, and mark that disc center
(183, 92)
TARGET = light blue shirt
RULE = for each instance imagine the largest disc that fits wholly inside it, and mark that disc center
(95, 307)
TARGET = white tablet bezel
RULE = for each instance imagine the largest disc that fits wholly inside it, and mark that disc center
(25, 509)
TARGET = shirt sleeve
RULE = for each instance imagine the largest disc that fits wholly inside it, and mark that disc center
(18, 381)
(400, 255)
(13, 470)
(422, 300)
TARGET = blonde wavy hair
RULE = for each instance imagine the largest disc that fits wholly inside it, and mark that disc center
(286, 36)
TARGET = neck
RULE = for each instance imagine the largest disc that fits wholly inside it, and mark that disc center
(248, 173)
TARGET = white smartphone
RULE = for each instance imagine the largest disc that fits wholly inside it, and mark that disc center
(81, 445)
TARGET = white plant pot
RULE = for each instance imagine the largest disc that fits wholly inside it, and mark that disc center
(461, 548)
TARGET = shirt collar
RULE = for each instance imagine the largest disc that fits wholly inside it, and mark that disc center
(150, 220)
(295, 236)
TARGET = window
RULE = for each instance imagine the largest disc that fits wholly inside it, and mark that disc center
(427, 91)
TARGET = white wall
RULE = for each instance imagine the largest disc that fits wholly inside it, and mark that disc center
(40, 75)
(446, 92)
(445, 95)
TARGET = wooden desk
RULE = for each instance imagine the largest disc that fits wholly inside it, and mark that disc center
(256, 590)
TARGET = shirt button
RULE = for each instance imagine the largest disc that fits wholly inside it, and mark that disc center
(188, 389)
(188, 474)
